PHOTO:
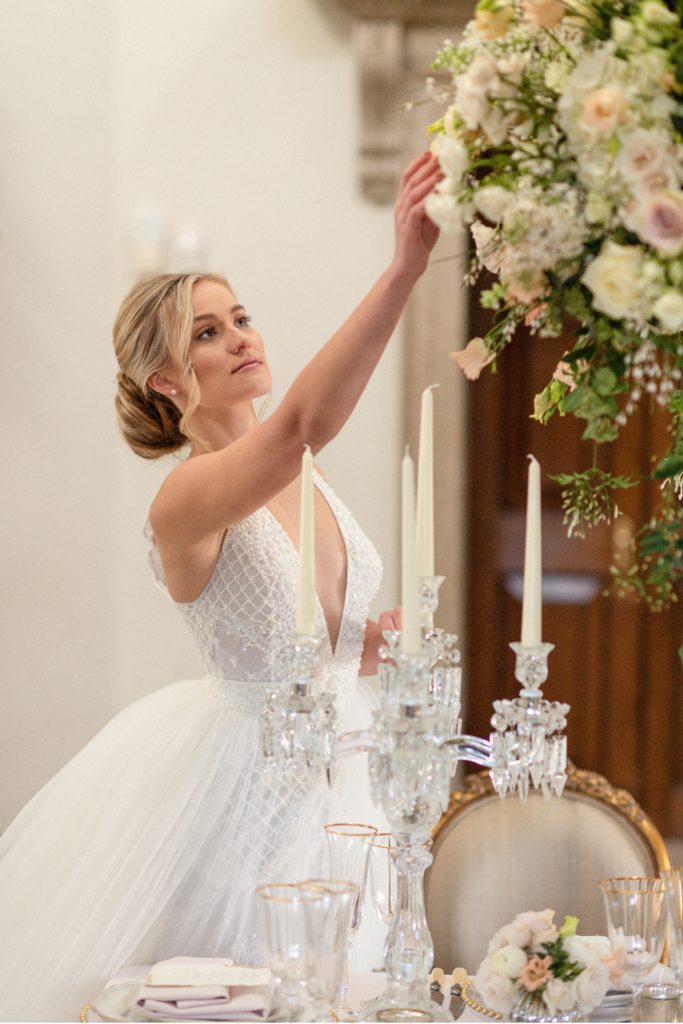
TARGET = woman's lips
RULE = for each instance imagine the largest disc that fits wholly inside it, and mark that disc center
(251, 364)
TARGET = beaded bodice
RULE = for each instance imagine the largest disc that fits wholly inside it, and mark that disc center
(243, 619)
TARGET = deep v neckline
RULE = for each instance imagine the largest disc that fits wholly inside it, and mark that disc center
(295, 551)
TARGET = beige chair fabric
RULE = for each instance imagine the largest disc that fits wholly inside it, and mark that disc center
(494, 858)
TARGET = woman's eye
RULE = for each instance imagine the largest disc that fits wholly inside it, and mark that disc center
(208, 332)
(243, 321)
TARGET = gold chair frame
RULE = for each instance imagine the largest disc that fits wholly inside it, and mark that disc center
(479, 787)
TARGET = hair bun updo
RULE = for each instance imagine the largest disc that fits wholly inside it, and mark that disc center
(150, 423)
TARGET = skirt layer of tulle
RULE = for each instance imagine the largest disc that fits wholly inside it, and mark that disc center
(149, 844)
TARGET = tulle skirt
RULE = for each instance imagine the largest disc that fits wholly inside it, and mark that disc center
(149, 844)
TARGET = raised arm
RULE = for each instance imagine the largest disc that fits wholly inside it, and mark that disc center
(209, 492)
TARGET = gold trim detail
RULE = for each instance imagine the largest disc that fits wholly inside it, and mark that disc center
(480, 787)
(467, 998)
(84, 1013)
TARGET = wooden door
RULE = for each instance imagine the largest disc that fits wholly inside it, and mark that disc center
(614, 661)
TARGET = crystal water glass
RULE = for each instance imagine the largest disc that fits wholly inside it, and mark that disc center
(636, 923)
(382, 875)
(674, 905)
(349, 850)
(327, 920)
(288, 950)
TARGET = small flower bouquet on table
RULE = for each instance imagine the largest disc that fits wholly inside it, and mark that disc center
(535, 971)
(562, 150)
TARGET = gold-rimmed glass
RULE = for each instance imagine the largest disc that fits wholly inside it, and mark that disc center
(674, 904)
(348, 847)
(289, 953)
(327, 922)
(636, 923)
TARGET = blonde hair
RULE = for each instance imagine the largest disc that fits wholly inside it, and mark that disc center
(152, 329)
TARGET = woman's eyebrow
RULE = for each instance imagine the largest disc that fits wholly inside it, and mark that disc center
(213, 316)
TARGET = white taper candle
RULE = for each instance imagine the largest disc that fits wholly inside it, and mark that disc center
(411, 636)
(305, 607)
(425, 487)
(532, 601)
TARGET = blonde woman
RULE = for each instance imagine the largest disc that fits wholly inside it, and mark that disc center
(150, 842)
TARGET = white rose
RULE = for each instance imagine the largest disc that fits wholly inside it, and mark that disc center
(669, 311)
(556, 75)
(492, 201)
(532, 928)
(646, 161)
(452, 155)
(496, 990)
(443, 209)
(604, 108)
(509, 960)
(655, 13)
(657, 219)
(621, 30)
(558, 996)
(472, 360)
(590, 986)
(598, 208)
(582, 949)
(614, 279)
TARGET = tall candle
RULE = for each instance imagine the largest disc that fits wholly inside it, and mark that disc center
(425, 487)
(305, 607)
(411, 636)
(531, 606)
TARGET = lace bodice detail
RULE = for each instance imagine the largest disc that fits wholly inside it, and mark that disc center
(243, 619)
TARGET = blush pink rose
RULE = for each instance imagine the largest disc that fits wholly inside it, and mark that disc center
(604, 108)
(658, 220)
(536, 972)
(544, 13)
(473, 358)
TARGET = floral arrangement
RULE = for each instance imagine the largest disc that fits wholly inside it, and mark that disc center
(562, 150)
(532, 961)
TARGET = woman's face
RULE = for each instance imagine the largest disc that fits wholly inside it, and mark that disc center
(226, 352)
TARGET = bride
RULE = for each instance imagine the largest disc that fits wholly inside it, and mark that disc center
(150, 842)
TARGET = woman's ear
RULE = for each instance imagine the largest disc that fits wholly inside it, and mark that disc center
(162, 385)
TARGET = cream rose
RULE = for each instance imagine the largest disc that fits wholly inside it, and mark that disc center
(657, 219)
(669, 311)
(604, 108)
(544, 13)
(646, 161)
(614, 279)
(473, 358)
(586, 949)
(492, 20)
(509, 960)
(532, 928)
(442, 208)
(558, 996)
(492, 201)
(452, 156)
(590, 986)
(496, 990)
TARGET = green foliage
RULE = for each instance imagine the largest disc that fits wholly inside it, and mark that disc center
(587, 498)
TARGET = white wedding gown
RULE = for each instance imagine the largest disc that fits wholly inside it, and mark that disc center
(149, 842)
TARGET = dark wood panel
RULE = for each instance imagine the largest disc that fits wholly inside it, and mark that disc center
(614, 661)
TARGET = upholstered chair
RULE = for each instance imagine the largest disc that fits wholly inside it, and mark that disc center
(494, 858)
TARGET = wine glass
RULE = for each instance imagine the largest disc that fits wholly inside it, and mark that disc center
(348, 846)
(674, 905)
(382, 875)
(327, 922)
(636, 923)
(289, 954)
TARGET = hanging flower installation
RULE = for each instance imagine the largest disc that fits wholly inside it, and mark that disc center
(562, 149)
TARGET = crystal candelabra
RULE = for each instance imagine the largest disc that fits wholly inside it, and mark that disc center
(414, 744)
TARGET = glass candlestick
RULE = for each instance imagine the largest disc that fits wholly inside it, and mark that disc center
(429, 600)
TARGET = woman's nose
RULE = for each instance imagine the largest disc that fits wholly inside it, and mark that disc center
(239, 344)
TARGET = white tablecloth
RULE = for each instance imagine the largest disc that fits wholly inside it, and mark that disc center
(362, 988)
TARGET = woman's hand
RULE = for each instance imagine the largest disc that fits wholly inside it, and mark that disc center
(373, 639)
(416, 234)
(390, 620)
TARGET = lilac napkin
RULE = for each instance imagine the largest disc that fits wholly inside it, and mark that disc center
(205, 988)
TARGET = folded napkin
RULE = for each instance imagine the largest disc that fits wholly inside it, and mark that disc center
(205, 988)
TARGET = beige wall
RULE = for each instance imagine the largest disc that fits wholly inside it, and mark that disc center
(237, 119)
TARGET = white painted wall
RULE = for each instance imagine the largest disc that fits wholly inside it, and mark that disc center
(238, 119)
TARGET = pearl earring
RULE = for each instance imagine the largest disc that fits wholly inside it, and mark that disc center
(173, 391)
